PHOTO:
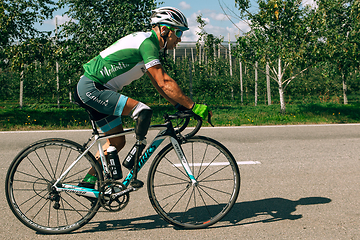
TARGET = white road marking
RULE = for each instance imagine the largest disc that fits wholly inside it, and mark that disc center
(220, 163)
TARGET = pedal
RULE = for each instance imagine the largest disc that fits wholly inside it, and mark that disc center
(136, 183)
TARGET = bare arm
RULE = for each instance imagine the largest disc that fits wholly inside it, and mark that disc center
(167, 87)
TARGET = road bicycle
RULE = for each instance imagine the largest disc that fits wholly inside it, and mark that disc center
(193, 181)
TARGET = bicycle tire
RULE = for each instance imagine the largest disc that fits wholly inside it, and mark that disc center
(29, 180)
(182, 204)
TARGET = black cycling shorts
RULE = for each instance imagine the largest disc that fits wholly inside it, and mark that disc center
(104, 105)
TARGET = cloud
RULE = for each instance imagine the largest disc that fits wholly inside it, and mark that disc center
(60, 19)
(184, 6)
(309, 2)
(218, 16)
(214, 25)
(191, 35)
(240, 28)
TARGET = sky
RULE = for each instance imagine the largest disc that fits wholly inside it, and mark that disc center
(217, 23)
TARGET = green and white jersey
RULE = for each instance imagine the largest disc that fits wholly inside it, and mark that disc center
(124, 61)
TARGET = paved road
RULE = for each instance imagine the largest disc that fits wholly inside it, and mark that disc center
(306, 186)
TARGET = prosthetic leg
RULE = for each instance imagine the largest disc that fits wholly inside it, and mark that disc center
(143, 119)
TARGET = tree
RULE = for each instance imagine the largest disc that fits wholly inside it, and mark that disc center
(17, 19)
(96, 24)
(211, 43)
(20, 39)
(339, 29)
(282, 35)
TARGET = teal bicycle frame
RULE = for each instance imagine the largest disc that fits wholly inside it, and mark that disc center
(165, 130)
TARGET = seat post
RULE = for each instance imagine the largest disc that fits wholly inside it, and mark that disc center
(94, 128)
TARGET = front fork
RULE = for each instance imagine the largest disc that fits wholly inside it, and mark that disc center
(184, 162)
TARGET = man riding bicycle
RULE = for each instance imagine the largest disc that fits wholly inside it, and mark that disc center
(120, 64)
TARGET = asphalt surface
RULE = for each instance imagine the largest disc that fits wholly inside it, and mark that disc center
(303, 184)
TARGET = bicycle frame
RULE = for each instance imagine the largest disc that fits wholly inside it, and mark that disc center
(165, 131)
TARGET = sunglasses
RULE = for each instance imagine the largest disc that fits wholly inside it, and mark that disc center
(178, 32)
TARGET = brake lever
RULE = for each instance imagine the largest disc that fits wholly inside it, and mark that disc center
(209, 119)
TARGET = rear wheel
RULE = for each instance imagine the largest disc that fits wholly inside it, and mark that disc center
(184, 204)
(29, 190)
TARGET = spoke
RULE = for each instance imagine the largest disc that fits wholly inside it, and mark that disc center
(67, 159)
(76, 201)
(41, 161)
(73, 209)
(74, 174)
(186, 188)
(187, 205)
(39, 209)
(49, 215)
(63, 210)
(202, 160)
(170, 175)
(57, 218)
(212, 174)
(170, 184)
(177, 167)
(57, 163)
(36, 194)
(28, 190)
(35, 167)
(47, 156)
(192, 158)
(29, 175)
(41, 197)
(179, 199)
(217, 180)
(208, 165)
(196, 210)
(217, 190)
(32, 182)
(208, 195)
(202, 198)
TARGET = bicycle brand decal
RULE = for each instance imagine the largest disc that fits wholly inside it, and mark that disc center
(147, 154)
(179, 152)
(182, 157)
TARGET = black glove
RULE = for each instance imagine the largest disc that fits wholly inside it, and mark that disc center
(180, 107)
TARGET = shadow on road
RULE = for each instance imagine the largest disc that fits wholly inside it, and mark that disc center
(270, 210)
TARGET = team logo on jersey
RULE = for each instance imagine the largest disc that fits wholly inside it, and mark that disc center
(108, 71)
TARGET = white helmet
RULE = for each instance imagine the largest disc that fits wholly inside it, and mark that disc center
(171, 16)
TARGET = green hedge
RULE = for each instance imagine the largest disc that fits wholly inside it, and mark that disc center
(212, 84)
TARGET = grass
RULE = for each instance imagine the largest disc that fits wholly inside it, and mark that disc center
(314, 113)
(43, 117)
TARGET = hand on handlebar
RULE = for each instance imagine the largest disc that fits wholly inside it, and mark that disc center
(210, 114)
(203, 111)
(180, 107)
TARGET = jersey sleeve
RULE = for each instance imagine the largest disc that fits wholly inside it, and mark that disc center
(149, 53)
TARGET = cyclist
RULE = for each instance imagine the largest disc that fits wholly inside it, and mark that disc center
(120, 64)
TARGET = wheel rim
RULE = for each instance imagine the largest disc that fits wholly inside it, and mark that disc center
(195, 206)
(31, 196)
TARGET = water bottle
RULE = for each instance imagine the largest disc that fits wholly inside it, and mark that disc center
(114, 163)
(130, 158)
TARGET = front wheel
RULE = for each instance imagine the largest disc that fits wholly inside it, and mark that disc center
(29, 186)
(188, 205)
